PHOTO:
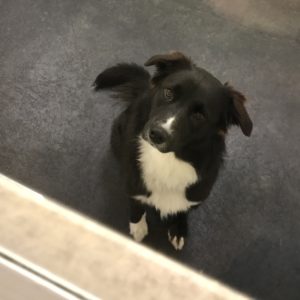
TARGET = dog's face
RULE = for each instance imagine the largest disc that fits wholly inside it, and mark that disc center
(189, 104)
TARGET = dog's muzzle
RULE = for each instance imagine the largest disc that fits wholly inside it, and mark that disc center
(158, 137)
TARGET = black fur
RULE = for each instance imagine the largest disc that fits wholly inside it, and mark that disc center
(128, 80)
(205, 109)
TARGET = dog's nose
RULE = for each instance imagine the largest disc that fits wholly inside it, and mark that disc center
(158, 135)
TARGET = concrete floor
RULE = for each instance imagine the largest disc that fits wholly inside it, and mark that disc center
(54, 130)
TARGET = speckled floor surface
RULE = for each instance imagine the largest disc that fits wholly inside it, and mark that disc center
(54, 130)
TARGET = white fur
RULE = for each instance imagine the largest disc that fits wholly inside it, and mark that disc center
(167, 178)
(177, 243)
(168, 125)
(140, 229)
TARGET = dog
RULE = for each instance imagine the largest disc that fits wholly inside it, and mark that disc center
(170, 139)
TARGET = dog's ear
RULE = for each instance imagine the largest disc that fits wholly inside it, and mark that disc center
(238, 114)
(167, 63)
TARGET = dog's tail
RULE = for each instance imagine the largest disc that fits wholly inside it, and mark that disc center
(127, 80)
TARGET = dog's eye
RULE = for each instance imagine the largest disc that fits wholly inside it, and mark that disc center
(169, 95)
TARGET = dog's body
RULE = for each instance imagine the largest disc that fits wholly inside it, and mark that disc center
(170, 140)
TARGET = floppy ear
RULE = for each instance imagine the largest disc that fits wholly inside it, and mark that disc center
(238, 114)
(167, 63)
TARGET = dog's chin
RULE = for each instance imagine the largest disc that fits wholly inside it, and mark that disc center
(163, 148)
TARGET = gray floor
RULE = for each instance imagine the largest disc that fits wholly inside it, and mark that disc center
(54, 130)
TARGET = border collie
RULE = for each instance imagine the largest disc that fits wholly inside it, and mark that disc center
(170, 139)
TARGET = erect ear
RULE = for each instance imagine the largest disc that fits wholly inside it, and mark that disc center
(167, 63)
(238, 114)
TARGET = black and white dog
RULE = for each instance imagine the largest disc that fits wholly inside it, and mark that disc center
(170, 140)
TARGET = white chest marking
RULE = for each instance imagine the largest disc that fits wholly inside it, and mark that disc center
(167, 178)
(168, 125)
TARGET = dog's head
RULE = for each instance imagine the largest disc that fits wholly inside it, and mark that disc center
(189, 104)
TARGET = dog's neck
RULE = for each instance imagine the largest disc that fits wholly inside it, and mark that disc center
(203, 151)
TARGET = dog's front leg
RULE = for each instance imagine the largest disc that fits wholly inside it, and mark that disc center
(138, 223)
(177, 231)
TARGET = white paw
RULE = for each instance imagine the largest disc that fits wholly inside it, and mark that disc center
(177, 243)
(140, 229)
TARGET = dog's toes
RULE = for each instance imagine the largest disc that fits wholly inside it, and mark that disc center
(140, 229)
(176, 241)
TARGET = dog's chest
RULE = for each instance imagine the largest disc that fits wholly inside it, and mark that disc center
(167, 178)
